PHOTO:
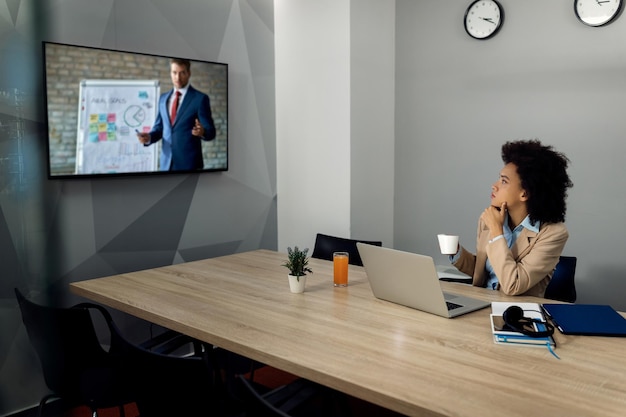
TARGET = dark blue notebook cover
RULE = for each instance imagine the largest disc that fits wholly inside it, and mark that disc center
(586, 319)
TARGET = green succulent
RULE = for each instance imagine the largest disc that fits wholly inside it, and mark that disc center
(297, 262)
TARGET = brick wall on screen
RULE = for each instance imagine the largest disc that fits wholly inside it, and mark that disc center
(67, 66)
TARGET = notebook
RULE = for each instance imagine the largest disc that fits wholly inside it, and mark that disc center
(503, 333)
(586, 319)
(411, 280)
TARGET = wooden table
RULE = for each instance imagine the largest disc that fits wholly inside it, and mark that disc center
(403, 359)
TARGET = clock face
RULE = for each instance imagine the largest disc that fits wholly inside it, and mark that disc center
(483, 18)
(597, 12)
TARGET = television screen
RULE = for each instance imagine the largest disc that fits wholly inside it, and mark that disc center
(115, 113)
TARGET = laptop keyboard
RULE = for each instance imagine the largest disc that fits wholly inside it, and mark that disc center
(452, 306)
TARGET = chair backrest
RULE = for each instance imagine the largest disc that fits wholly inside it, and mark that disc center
(75, 365)
(166, 385)
(325, 245)
(256, 405)
(562, 286)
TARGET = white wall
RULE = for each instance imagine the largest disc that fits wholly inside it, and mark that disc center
(312, 49)
(335, 119)
(456, 101)
(545, 76)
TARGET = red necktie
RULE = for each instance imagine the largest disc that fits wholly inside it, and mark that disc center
(174, 107)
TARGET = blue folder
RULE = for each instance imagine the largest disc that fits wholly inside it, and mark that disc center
(586, 319)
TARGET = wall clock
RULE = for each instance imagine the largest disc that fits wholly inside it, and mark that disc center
(483, 19)
(597, 12)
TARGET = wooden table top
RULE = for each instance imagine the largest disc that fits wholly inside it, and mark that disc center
(403, 359)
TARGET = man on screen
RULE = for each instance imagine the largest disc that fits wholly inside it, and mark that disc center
(183, 120)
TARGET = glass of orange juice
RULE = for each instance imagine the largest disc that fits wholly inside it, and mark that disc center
(340, 268)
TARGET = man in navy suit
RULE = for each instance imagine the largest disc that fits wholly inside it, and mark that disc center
(183, 121)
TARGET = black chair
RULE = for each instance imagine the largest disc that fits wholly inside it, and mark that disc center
(258, 405)
(562, 286)
(300, 398)
(326, 245)
(76, 367)
(170, 342)
(165, 385)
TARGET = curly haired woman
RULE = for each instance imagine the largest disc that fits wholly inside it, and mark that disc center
(521, 234)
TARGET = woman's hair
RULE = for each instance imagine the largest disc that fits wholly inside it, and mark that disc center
(543, 172)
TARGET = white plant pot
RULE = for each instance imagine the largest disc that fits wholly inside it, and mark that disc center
(297, 285)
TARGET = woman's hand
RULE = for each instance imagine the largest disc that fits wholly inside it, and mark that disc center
(494, 219)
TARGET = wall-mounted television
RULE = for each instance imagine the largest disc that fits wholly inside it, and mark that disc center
(109, 113)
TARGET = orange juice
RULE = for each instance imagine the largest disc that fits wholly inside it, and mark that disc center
(340, 267)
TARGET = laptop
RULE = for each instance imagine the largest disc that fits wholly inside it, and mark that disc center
(411, 280)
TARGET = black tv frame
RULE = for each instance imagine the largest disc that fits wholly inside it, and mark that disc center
(66, 65)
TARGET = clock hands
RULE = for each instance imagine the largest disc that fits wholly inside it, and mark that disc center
(600, 2)
(490, 20)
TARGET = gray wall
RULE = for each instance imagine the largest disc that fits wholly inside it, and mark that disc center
(53, 232)
(457, 100)
(545, 76)
(372, 119)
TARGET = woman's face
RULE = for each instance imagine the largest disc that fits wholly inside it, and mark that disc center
(508, 188)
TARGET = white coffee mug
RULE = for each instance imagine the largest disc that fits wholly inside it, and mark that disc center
(448, 244)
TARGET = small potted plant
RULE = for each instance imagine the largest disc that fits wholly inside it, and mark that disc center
(297, 263)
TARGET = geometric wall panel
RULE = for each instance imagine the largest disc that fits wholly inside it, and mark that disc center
(53, 232)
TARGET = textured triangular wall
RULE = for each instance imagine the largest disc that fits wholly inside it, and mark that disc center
(53, 232)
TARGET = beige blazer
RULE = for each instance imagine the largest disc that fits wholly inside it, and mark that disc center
(526, 268)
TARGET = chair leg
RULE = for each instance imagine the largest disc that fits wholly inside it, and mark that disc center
(43, 402)
(94, 411)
